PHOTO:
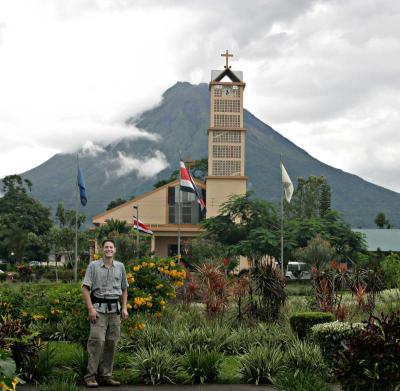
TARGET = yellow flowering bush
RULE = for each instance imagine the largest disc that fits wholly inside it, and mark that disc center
(152, 282)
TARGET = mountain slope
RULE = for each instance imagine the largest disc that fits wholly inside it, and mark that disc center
(181, 120)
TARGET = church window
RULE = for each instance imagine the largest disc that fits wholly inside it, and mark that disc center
(226, 106)
(226, 151)
(226, 167)
(222, 136)
(217, 92)
(190, 209)
(227, 120)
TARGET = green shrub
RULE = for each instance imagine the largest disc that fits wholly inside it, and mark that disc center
(330, 336)
(304, 356)
(205, 338)
(7, 369)
(268, 292)
(79, 362)
(244, 338)
(260, 364)
(370, 359)
(300, 381)
(301, 322)
(153, 282)
(391, 270)
(23, 344)
(151, 336)
(155, 366)
(241, 340)
(202, 366)
(44, 306)
(39, 368)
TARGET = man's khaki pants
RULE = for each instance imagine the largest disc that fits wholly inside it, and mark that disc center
(101, 345)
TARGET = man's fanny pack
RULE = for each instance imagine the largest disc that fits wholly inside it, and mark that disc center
(107, 301)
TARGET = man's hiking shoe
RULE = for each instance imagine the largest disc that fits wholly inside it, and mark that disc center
(91, 383)
(109, 381)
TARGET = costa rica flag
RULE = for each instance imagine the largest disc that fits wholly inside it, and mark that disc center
(141, 227)
(187, 184)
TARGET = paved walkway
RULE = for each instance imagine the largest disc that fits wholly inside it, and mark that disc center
(165, 387)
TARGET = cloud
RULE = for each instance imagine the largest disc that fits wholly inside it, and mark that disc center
(323, 73)
(144, 166)
(91, 149)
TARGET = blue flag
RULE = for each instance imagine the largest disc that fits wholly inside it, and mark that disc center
(82, 187)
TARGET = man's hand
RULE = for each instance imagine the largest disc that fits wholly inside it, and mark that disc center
(92, 315)
(124, 314)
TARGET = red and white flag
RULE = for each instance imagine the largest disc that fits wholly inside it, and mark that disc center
(187, 184)
(142, 227)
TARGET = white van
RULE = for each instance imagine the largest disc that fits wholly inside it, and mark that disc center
(298, 271)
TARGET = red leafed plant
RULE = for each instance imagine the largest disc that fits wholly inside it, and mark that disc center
(341, 312)
(360, 291)
(190, 289)
(214, 287)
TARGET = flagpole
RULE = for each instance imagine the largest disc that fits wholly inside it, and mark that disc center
(282, 266)
(179, 210)
(137, 229)
(76, 223)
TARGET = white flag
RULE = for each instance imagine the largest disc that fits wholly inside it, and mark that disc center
(287, 184)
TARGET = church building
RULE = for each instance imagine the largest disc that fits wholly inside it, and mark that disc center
(158, 209)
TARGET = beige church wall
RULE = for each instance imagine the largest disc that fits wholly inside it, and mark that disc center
(219, 191)
(162, 245)
(152, 209)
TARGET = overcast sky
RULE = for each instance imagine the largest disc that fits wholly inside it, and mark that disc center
(325, 74)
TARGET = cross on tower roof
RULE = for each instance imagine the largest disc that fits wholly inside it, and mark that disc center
(226, 55)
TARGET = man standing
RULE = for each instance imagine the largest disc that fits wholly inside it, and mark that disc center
(104, 284)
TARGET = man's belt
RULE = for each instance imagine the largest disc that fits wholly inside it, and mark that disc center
(107, 301)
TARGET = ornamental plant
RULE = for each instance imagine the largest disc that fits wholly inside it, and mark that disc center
(152, 282)
(8, 379)
(370, 359)
(301, 322)
(331, 336)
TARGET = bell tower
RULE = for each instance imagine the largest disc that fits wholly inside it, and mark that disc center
(226, 138)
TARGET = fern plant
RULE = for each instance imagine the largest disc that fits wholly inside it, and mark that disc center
(155, 366)
(201, 365)
(261, 364)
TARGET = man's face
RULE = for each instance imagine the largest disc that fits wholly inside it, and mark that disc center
(109, 249)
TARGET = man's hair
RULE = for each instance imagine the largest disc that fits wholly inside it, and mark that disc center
(107, 240)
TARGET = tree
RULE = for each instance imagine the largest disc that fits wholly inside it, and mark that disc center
(203, 250)
(22, 221)
(391, 269)
(318, 253)
(66, 217)
(311, 198)
(332, 228)
(381, 221)
(247, 226)
(61, 241)
(325, 199)
(112, 226)
(115, 203)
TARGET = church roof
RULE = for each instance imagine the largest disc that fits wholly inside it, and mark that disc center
(384, 239)
(235, 76)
